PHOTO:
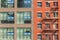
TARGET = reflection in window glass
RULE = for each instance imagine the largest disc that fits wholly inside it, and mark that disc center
(24, 34)
(6, 17)
(47, 26)
(39, 25)
(39, 4)
(39, 14)
(39, 36)
(47, 14)
(47, 4)
(55, 3)
(6, 34)
(55, 26)
(23, 17)
(6, 3)
(55, 14)
(47, 37)
(55, 36)
(23, 3)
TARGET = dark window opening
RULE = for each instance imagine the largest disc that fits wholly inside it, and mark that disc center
(39, 4)
(24, 3)
(47, 4)
(47, 26)
(39, 14)
(40, 25)
(39, 36)
(55, 3)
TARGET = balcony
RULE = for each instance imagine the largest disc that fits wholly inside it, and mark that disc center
(54, 8)
(55, 18)
(49, 19)
(52, 0)
(48, 30)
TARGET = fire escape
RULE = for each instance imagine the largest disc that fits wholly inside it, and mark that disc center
(51, 21)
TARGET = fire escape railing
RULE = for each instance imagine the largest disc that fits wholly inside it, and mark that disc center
(53, 20)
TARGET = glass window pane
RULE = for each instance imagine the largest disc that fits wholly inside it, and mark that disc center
(39, 4)
(55, 14)
(47, 14)
(18, 18)
(39, 15)
(39, 36)
(47, 26)
(5, 35)
(55, 4)
(39, 25)
(24, 33)
(24, 17)
(6, 17)
(7, 3)
(24, 3)
(47, 4)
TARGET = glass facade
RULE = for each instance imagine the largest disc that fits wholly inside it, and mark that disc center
(24, 3)
(6, 17)
(6, 34)
(6, 3)
(24, 34)
(23, 17)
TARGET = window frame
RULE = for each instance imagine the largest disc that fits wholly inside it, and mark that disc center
(39, 14)
(47, 4)
(39, 36)
(39, 4)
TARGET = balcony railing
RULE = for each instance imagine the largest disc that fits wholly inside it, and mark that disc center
(54, 9)
(49, 30)
(52, 0)
(50, 18)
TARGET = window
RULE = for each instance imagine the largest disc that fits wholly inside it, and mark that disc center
(55, 3)
(55, 14)
(55, 26)
(47, 37)
(24, 3)
(23, 33)
(55, 36)
(47, 26)
(23, 17)
(39, 14)
(40, 25)
(6, 17)
(7, 4)
(47, 4)
(39, 36)
(39, 4)
(47, 14)
(6, 34)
